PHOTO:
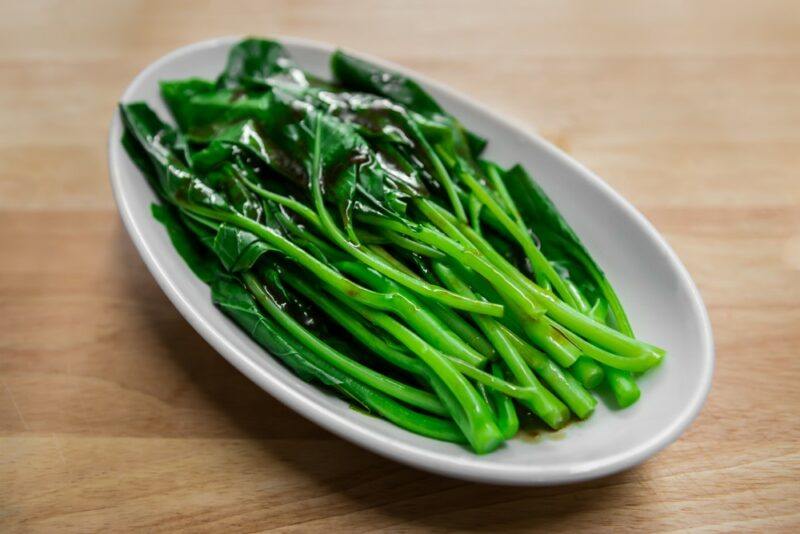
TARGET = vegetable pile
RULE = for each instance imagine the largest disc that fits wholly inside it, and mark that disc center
(352, 229)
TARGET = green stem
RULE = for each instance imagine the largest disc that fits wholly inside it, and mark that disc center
(411, 395)
(396, 413)
(416, 314)
(504, 285)
(539, 331)
(580, 323)
(289, 350)
(356, 327)
(475, 213)
(581, 304)
(298, 207)
(453, 320)
(357, 251)
(391, 354)
(369, 238)
(463, 329)
(620, 317)
(393, 327)
(507, 419)
(563, 384)
(544, 404)
(588, 372)
(493, 174)
(441, 174)
(292, 251)
(476, 243)
(621, 383)
(378, 345)
(482, 433)
(636, 363)
(521, 235)
(330, 252)
(550, 339)
(411, 245)
(623, 386)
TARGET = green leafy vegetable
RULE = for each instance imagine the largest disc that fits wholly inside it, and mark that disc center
(350, 228)
(365, 77)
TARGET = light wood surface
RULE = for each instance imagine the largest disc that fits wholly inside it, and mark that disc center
(115, 415)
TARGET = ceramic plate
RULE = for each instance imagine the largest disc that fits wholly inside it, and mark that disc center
(663, 303)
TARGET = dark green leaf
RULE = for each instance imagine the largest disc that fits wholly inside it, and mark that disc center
(190, 249)
(361, 75)
(203, 116)
(256, 61)
(226, 180)
(556, 237)
(295, 304)
(231, 296)
(177, 182)
(140, 158)
(251, 137)
(237, 249)
(477, 144)
(352, 174)
(387, 129)
(560, 244)
(435, 123)
(178, 95)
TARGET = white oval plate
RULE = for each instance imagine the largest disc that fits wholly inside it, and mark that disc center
(663, 302)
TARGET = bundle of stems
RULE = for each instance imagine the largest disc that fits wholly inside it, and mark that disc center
(352, 228)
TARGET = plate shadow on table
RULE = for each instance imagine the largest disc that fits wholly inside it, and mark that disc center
(357, 480)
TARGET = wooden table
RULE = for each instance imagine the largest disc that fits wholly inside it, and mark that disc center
(115, 414)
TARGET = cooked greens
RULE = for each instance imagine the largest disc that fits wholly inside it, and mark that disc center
(352, 228)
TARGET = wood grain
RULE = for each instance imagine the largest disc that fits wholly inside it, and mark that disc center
(115, 415)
